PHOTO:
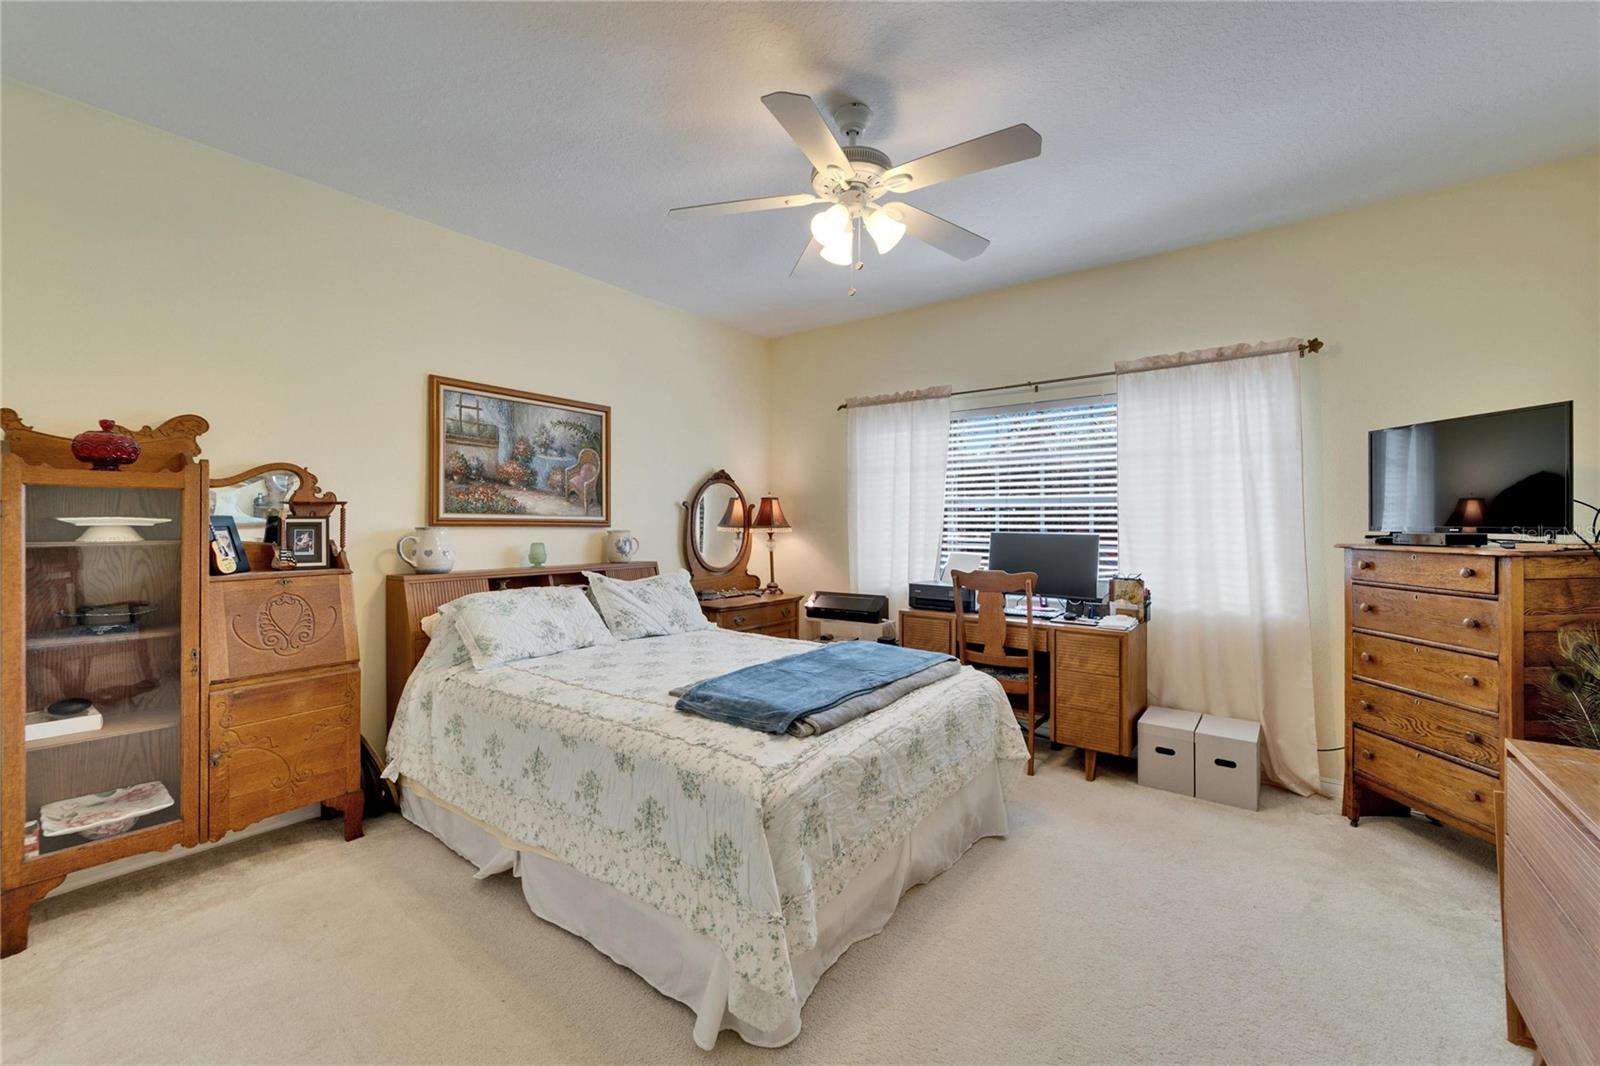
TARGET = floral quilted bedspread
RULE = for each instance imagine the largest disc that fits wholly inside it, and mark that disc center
(741, 835)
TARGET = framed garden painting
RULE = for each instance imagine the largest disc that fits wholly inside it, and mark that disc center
(503, 457)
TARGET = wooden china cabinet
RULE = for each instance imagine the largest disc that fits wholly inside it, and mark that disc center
(106, 599)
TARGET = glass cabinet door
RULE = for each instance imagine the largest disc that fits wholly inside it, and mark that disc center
(106, 665)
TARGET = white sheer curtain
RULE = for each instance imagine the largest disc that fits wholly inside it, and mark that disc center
(895, 458)
(1211, 514)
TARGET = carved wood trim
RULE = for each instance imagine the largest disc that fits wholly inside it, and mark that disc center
(170, 446)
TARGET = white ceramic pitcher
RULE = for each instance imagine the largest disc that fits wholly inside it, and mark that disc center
(427, 550)
(620, 545)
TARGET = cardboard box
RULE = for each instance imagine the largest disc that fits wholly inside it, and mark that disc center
(1227, 761)
(1166, 749)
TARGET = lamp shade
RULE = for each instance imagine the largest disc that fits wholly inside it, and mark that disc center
(733, 518)
(1468, 513)
(769, 516)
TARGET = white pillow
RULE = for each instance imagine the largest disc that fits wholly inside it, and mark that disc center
(648, 607)
(431, 621)
(503, 627)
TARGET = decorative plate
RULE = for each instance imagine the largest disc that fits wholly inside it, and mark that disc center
(104, 814)
(108, 529)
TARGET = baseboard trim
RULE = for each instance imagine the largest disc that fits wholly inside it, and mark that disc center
(95, 874)
(1333, 787)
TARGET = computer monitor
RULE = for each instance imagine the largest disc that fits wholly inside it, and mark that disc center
(1068, 564)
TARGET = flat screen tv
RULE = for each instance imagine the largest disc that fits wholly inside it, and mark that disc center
(1503, 472)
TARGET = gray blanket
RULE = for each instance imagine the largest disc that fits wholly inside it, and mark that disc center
(849, 710)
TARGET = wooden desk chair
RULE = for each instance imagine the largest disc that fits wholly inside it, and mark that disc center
(1012, 668)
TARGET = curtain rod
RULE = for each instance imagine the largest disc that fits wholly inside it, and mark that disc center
(1313, 345)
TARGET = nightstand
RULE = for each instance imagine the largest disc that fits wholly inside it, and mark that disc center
(777, 615)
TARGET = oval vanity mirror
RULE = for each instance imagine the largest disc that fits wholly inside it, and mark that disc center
(716, 536)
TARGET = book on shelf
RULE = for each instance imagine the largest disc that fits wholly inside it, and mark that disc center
(37, 725)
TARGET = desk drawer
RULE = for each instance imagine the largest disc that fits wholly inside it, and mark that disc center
(1456, 620)
(1469, 735)
(1087, 654)
(1452, 676)
(1088, 712)
(781, 629)
(1431, 781)
(1428, 570)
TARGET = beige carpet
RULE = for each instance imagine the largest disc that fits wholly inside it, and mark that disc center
(1116, 924)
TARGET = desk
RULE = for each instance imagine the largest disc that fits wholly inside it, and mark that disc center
(1094, 679)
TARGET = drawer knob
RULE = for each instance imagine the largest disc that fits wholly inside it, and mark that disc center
(1470, 623)
(1473, 738)
(1467, 571)
(1363, 564)
(1477, 797)
(1366, 705)
(1368, 755)
(1363, 607)
(1366, 656)
(216, 758)
(738, 619)
(1469, 679)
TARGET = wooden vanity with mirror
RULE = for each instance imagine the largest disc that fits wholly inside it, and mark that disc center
(716, 549)
(147, 702)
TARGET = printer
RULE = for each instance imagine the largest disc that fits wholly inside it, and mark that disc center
(848, 616)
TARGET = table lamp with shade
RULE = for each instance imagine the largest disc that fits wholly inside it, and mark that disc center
(733, 518)
(769, 516)
(1468, 514)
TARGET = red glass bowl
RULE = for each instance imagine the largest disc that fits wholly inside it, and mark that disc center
(105, 448)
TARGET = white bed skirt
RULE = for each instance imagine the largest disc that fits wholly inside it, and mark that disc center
(689, 967)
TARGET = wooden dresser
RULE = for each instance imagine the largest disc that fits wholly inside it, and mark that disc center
(1095, 679)
(1550, 899)
(1445, 649)
(776, 614)
(283, 698)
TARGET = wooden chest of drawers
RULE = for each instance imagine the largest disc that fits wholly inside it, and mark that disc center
(776, 615)
(1445, 651)
(282, 708)
(1550, 899)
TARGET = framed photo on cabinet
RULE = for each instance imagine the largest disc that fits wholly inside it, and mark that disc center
(500, 456)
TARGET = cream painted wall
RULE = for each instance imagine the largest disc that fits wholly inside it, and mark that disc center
(1472, 298)
(147, 276)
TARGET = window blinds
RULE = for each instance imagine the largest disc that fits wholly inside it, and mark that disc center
(1032, 468)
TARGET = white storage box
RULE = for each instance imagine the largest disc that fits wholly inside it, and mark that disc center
(1227, 761)
(1166, 749)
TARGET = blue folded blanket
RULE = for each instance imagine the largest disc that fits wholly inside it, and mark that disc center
(771, 696)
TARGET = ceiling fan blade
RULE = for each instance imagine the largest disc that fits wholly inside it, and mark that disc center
(813, 251)
(800, 119)
(739, 207)
(948, 237)
(1010, 145)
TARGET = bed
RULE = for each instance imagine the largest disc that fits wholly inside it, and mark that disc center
(728, 868)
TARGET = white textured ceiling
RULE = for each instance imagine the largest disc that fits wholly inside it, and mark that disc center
(566, 131)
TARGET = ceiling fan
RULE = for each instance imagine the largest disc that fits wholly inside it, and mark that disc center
(852, 179)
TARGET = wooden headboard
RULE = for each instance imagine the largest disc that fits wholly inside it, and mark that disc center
(412, 597)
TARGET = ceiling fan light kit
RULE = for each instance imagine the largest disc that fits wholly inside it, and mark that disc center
(851, 179)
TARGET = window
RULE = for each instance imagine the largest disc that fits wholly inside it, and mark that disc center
(1032, 468)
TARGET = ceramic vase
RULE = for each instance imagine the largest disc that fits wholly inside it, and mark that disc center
(536, 554)
(621, 546)
(427, 550)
